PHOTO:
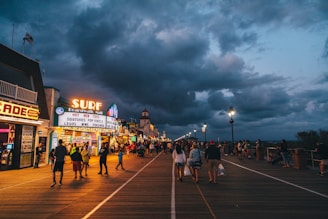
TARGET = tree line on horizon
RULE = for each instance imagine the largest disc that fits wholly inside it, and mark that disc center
(305, 139)
(308, 139)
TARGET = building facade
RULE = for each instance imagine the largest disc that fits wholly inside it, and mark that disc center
(32, 114)
(24, 117)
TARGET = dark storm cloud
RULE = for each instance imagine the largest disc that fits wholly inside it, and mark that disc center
(176, 58)
(325, 50)
(324, 78)
(152, 64)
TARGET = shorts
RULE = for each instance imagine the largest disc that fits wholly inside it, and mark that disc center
(59, 166)
(196, 164)
(324, 161)
(76, 165)
(212, 164)
(179, 164)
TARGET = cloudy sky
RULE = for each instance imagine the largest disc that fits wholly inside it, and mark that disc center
(186, 61)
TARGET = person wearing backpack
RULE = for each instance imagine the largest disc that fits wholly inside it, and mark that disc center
(196, 161)
(76, 161)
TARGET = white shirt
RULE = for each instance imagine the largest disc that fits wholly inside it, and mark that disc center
(179, 158)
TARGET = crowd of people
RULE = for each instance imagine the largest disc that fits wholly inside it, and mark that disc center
(149, 147)
(242, 149)
(193, 161)
(185, 154)
(80, 156)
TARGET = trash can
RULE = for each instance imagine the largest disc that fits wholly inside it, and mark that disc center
(299, 158)
(259, 152)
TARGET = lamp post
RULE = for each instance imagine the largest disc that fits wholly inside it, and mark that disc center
(231, 112)
(195, 132)
(204, 130)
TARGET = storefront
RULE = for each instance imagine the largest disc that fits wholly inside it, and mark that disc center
(24, 117)
(18, 125)
(84, 122)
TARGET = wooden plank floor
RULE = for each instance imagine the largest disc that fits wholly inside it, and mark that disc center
(250, 189)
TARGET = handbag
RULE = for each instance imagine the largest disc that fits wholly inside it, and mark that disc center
(186, 171)
(220, 170)
(200, 158)
(189, 163)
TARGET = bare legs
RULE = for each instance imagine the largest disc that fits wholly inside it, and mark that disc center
(85, 168)
(179, 170)
(194, 172)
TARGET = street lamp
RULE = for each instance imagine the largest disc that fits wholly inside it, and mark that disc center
(231, 112)
(204, 130)
(195, 132)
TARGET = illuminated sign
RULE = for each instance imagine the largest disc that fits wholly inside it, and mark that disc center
(15, 110)
(112, 123)
(86, 104)
(82, 120)
(87, 114)
(113, 111)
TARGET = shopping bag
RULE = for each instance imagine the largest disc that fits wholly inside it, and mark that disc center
(189, 162)
(186, 171)
(220, 170)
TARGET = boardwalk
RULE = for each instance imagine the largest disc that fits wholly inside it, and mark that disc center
(148, 189)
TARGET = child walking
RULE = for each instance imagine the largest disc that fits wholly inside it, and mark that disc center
(52, 158)
(85, 158)
(120, 160)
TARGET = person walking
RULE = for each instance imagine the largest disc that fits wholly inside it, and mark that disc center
(151, 148)
(213, 157)
(240, 149)
(284, 153)
(85, 159)
(60, 154)
(76, 161)
(156, 147)
(196, 161)
(52, 158)
(38, 152)
(120, 159)
(179, 159)
(103, 158)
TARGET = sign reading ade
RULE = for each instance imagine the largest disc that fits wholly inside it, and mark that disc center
(16, 110)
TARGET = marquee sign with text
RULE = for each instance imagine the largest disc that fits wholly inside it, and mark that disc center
(82, 120)
(20, 111)
(84, 113)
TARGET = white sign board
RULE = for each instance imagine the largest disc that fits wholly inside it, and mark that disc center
(112, 123)
(82, 120)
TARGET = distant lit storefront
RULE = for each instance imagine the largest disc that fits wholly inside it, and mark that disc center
(84, 122)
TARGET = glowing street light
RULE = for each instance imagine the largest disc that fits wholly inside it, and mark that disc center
(204, 129)
(231, 112)
(195, 132)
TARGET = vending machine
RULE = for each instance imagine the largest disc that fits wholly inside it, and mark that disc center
(7, 155)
